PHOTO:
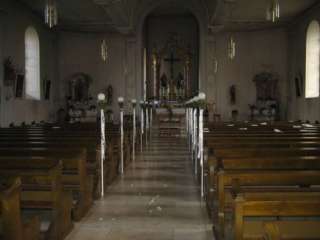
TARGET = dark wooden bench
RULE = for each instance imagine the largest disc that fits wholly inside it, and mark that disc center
(12, 225)
(277, 205)
(42, 195)
(75, 176)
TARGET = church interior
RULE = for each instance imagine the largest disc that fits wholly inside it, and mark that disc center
(159, 119)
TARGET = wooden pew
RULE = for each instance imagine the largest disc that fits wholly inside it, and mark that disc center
(260, 181)
(285, 204)
(42, 194)
(256, 159)
(12, 226)
(75, 177)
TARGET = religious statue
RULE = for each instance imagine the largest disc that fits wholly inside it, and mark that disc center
(109, 95)
(232, 94)
(180, 85)
(164, 86)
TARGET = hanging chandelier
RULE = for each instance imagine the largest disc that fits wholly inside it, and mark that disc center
(104, 50)
(231, 48)
(215, 65)
(51, 13)
(273, 11)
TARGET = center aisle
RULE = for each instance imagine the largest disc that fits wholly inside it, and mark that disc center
(157, 198)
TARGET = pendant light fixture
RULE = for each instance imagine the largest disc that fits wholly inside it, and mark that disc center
(231, 42)
(104, 50)
(231, 48)
(273, 11)
(51, 13)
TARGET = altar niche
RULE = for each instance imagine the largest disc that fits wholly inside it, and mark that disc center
(172, 56)
(175, 81)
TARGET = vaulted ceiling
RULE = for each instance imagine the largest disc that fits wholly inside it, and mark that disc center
(122, 15)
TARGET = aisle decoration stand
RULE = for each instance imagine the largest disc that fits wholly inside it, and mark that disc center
(134, 104)
(141, 124)
(146, 104)
(195, 108)
(121, 103)
(101, 105)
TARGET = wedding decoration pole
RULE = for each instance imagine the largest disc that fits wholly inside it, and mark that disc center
(141, 124)
(195, 149)
(134, 103)
(147, 120)
(151, 114)
(190, 128)
(121, 102)
(202, 97)
(101, 101)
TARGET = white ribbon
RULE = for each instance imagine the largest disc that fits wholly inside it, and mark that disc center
(102, 150)
(195, 141)
(134, 134)
(201, 149)
(147, 124)
(151, 118)
(141, 128)
(121, 141)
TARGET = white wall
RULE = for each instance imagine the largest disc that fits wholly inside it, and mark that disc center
(300, 107)
(256, 51)
(13, 22)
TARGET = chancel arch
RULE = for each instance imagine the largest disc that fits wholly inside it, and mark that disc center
(312, 60)
(32, 64)
(168, 11)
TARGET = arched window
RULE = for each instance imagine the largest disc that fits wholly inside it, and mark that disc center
(312, 60)
(32, 64)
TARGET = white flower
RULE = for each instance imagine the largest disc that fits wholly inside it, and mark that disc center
(120, 99)
(101, 97)
(202, 96)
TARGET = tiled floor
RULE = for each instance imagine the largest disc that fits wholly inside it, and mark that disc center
(157, 198)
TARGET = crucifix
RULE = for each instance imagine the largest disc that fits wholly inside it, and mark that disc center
(172, 60)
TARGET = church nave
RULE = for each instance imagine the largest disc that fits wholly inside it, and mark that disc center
(156, 198)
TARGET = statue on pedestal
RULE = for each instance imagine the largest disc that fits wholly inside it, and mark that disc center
(164, 91)
(180, 86)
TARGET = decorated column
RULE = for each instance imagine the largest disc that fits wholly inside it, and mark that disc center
(134, 103)
(146, 104)
(141, 124)
(195, 145)
(151, 106)
(201, 105)
(121, 102)
(101, 104)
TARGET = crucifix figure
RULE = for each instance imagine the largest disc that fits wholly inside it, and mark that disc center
(172, 60)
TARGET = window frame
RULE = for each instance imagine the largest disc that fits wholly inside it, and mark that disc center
(31, 35)
(308, 41)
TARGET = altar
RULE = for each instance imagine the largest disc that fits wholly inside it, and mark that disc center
(171, 71)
